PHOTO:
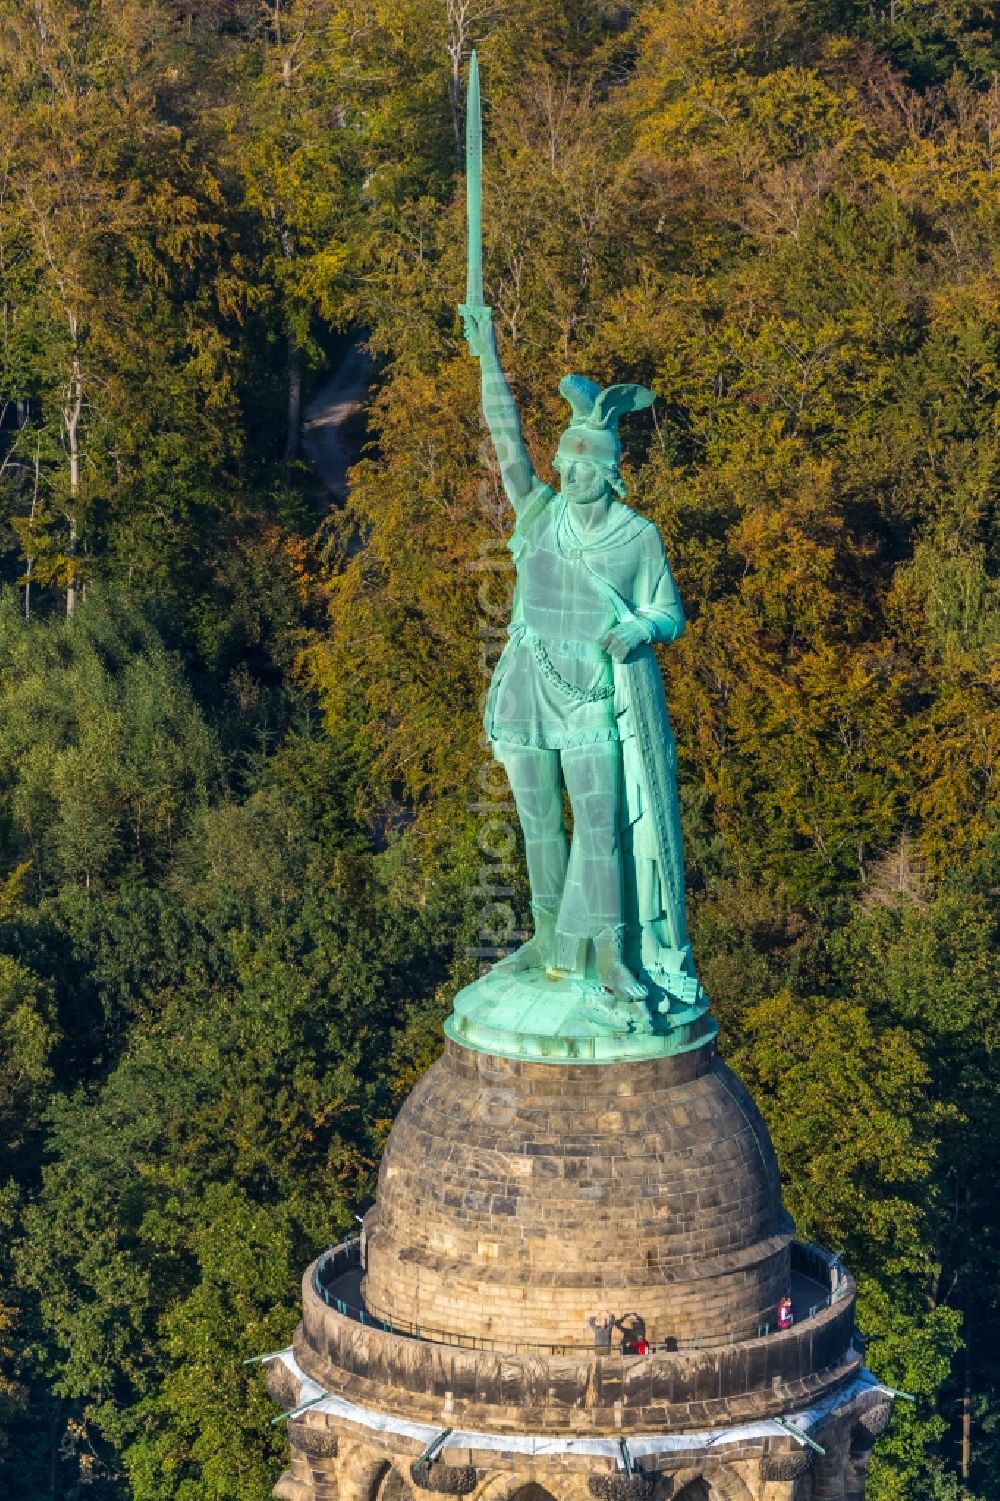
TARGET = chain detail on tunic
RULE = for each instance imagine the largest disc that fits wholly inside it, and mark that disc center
(555, 677)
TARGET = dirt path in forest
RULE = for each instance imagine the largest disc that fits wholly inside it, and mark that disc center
(327, 436)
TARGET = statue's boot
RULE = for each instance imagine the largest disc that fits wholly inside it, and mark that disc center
(612, 971)
(539, 950)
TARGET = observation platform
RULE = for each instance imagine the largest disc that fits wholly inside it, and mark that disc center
(429, 1374)
(815, 1283)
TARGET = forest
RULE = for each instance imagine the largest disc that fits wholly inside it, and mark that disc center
(240, 747)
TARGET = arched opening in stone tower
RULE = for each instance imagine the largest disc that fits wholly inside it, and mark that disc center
(363, 1478)
(394, 1487)
(367, 1479)
(858, 1459)
(696, 1490)
(532, 1492)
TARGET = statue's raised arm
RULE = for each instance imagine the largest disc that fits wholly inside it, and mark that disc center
(519, 476)
(499, 409)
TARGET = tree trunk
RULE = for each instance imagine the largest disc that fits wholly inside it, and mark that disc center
(294, 400)
(457, 19)
(966, 1465)
(71, 425)
(31, 557)
(54, 1436)
(966, 1461)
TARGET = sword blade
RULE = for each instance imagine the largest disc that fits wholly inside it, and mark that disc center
(474, 188)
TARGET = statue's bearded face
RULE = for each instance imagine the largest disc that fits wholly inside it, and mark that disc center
(582, 483)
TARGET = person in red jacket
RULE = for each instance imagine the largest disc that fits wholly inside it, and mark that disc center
(785, 1316)
(633, 1328)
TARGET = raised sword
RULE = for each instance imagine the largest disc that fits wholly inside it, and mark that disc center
(473, 197)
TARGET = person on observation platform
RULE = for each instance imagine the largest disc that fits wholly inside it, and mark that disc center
(594, 591)
(633, 1328)
(785, 1316)
(603, 1325)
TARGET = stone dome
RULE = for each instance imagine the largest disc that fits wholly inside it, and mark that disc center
(517, 1198)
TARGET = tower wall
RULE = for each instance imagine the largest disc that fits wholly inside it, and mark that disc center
(334, 1461)
(516, 1199)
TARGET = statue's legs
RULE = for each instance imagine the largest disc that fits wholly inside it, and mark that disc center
(592, 903)
(578, 892)
(592, 898)
(536, 784)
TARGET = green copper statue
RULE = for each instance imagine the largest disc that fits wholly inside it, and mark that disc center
(577, 701)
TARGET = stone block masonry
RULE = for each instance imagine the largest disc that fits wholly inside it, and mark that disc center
(517, 1199)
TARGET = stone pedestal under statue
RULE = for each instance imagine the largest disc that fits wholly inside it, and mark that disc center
(516, 1201)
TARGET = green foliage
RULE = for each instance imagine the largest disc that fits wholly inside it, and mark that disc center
(851, 1121)
(246, 995)
(71, 691)
(28, 1039)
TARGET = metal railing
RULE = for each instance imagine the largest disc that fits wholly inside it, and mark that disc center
(820, 1266)
(809, 1260)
